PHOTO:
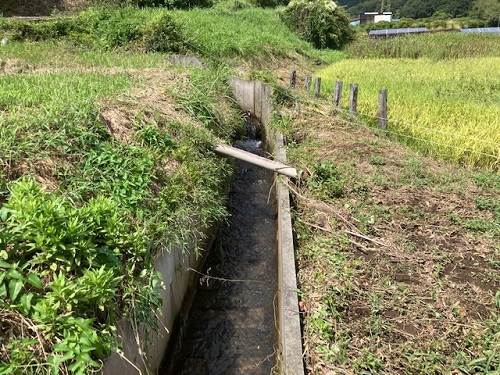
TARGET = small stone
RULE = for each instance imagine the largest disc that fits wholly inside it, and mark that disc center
(5, 41)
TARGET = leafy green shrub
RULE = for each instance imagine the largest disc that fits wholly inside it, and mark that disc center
(60, 267)
(151, 136)
(41, 30)
(122, 172)
(163, 35)
(320, 22)
(44, 229)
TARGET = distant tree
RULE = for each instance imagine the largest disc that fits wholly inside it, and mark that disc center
(426, 8)
(365, 6)
(323, 23)
(488, 10)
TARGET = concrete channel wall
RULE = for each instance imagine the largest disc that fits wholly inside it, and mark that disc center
(255, 97)
(143, 351)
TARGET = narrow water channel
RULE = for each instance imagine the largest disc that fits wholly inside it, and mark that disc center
(231, 326)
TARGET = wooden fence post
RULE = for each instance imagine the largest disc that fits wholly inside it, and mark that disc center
(317, 86)
(382, 109)
(293, 78)
(353, 98)
(307, 83)
(337, 93)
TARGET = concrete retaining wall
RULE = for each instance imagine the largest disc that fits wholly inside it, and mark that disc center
(255, 97)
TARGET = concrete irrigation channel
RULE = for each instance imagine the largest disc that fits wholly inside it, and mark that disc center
(237, 311)
(231, 323)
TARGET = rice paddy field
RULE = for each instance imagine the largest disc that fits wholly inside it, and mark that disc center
(446, 108)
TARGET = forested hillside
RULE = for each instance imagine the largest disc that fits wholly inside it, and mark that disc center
(410, 8)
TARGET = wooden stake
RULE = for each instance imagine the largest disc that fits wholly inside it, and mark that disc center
(337, 93)
(293, 78)
(382, 109)
(353, 98)
(307, 83)
(317, 86)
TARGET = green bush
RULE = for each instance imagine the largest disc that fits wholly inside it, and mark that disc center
(163, 35)
(62, 267)
(321, 22)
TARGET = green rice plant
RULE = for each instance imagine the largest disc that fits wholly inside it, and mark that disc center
(448, 109)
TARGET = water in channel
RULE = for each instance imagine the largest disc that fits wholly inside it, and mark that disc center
(231, 327)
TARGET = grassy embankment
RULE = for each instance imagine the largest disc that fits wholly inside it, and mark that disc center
(443, 92)
(398, 253)
(106, 159)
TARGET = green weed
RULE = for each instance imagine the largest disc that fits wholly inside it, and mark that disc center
(327, 181)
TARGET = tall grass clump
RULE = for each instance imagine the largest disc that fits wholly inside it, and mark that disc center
(439, 46)
(446, 108)
(324, 24)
